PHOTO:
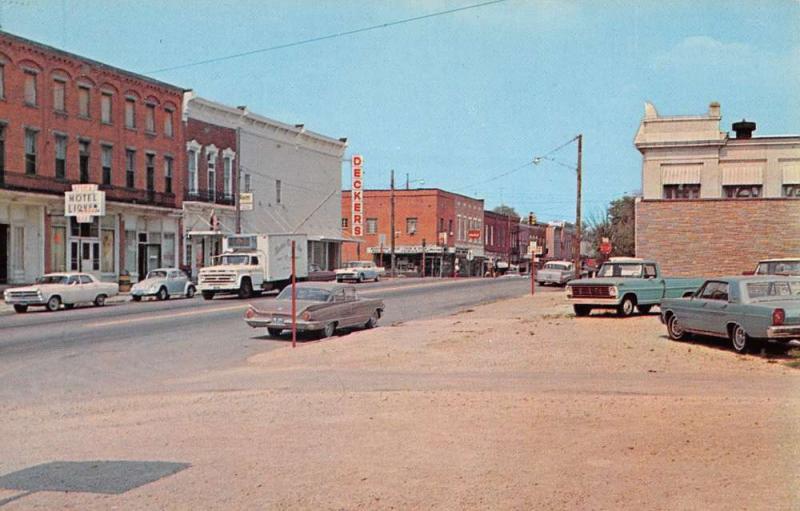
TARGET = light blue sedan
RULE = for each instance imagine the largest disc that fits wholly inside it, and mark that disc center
(747, 310)
(163, 283)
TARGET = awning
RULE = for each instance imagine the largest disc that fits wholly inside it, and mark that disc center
(331, 239)
(791, 173)
(680, 175)
(742, 175)
(205, 233)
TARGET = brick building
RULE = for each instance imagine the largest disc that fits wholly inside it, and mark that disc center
(560, 239)
(501, 241)
(429, 222)
(64, 120)
(713, 203)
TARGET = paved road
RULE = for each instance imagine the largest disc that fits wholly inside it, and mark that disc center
(140, 347)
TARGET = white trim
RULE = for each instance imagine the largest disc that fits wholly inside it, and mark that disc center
(228, 153)
(211, 150)
(193, 145)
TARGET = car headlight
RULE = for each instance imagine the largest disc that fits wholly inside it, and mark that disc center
(612, 291)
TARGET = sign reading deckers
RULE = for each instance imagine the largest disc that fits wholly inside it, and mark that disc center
(84, 202)
(357, 196)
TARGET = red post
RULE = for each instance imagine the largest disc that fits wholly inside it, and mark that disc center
(294, 299)
(533, 273)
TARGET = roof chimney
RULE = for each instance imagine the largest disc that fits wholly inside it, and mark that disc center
(744, 129)
(713, 109)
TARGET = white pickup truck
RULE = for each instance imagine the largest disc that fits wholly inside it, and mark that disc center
(252, 263)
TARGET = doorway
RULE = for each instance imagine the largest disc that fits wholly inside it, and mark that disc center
(3, 253)
(149, 258)
(90, 256)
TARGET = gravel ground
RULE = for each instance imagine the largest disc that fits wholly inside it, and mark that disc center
(513, 405)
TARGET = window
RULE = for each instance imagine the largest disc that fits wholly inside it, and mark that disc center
(278, 191)
(168, 251)
(61, 156)
(150, 118)
(107, 156)
(441, 225)
(105, 108)
(450, 226)
(684, 191)
(212, 174)
(715, 291)
(791, 190)
(83, 101)
(30, 88)
(742, 191)
(30, 151)
(83, 161)
(372, 225)
(131, 252)
(58, 95)
(2, 81)
(247, 183)
(2, 151)
(345, 223)
(411, 225)
(168, 122)
(192, 163)
(649, 271)
(227, 173)
(130, 113)
(130, 167)
(168, 174)
(150, 171)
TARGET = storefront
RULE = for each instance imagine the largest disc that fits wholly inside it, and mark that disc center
(21, 237)
(204, 226)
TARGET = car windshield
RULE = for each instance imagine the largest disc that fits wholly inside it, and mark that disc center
(620, 270)
(233, 259)
(52, 279)
(309, 294)
(157, 274)
(773, 290)
(556, 266)
(778, 268)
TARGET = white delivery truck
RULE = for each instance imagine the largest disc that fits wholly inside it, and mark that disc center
(252, 263)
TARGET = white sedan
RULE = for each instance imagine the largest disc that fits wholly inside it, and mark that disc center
(54, 289)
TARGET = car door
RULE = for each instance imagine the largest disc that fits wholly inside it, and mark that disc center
(174, 283)
(688, 311)
(707, 307)
(88, 288)
(716, 310)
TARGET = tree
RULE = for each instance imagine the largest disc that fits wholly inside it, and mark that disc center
(617, 224)
(502, 209)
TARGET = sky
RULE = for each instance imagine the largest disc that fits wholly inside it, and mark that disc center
(460, 99)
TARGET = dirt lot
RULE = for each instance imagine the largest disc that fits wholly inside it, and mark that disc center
(515, 405)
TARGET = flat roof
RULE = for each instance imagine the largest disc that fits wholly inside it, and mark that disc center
(412, 190)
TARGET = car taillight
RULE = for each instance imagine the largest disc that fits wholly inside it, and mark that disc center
(778, 317)
(250, 313)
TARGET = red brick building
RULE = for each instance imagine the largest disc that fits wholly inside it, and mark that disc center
(64, 120)
(501, 242)
(428, 221)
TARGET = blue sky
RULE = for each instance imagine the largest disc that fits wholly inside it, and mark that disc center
(457, 99)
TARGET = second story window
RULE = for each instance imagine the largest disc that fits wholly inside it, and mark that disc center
(107, 154)
(791, 190)
(741, 191)
(411, 225)
(277, 191)
(168, 132)
(247, 183)
(150, 171)
(83, 102)
(150, 119)
(130, 113)
(191, 161)
(30, 151)
(2, 81)
(130, 166)
(684, 191)
(30, 88)
(83, 161)
(212, 175)
(105, 108)
(168, 174)
(345, 223)
(372, 225)
(59, 88)
(61, 156)
(227, 173)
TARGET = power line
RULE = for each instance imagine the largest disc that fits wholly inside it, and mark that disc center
(324, 37)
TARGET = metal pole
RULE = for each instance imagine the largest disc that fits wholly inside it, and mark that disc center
(294, 297)
(577, 249)
(392, 225)
(407, 182)
(423, 260)
(238, 190)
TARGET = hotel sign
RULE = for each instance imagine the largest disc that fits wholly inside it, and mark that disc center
(84, 202)
(357, 196)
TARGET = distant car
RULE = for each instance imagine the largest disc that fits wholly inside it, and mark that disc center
(556, 272)
(317, 274)
(163, 283)
(54, 289)
(359, 271)
(788, 266)
(321, 308)
(746, 310)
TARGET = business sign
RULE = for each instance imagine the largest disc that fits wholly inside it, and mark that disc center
(246, 201)
(474, 234)
(84, 202)
(357, 196)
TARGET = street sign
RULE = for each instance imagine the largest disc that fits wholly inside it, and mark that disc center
(246, 201)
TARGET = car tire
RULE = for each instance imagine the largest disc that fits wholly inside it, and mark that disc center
(360, 278)
(674, 329)
(328, 331)
(626, 307)
(372, 322)
(20, 308)
(582, 310)
(100, 300)
(644, 309)
(53, 303)
(190, 291)
(136, 298)
(162, 294)
(377, 278)
(743, 343)
(274, 332)
(245, 289)
(208, 295)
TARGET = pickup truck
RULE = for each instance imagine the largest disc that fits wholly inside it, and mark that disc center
(788, 266)
(359, 271)
(625, 284)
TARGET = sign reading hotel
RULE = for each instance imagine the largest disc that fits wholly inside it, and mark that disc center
(357, 196)
(84, 202)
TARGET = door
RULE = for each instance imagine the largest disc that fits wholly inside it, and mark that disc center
(142, 261)
(89, 256)
(3, 253)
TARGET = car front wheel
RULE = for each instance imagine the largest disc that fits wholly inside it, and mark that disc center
(582, 310)
(162, 294)
(373, 320)
(626, 307)
(675, 329)
(20, 308)
(328, 331)
(53, 303)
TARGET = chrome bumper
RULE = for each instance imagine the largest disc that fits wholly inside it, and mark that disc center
(302, 326)
(784, 332)
(25, 300)
(597, 301)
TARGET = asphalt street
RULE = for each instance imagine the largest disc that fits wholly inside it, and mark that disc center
(140, 347)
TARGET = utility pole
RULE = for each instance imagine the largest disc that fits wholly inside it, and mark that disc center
(391, 221)
(577, 249)
(238, 190)
(407, 182)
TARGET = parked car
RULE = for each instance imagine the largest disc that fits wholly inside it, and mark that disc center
(54, 289)
(321, 308)
(777, 267)
(746, 310)
(163, 283)
(359, 271)
(556, 272)
(317, 274)
(627, 284)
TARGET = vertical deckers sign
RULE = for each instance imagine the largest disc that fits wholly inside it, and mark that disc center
(357, 202)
